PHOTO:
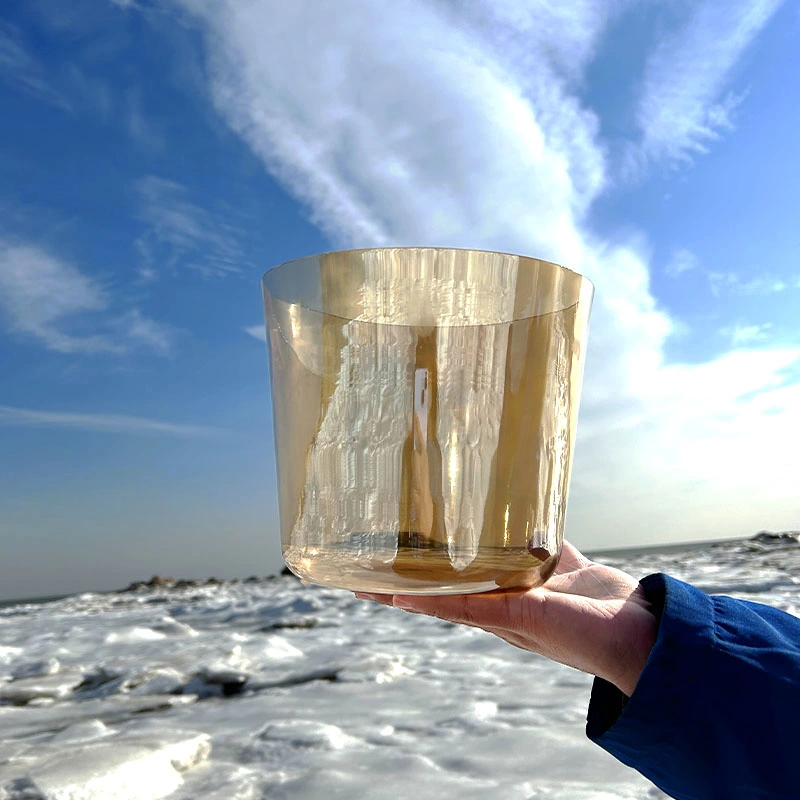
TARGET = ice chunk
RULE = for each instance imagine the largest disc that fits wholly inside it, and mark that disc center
(297, 678)
(20, 789)
(40, 702)
(484, 709)
(83, 731)
(51, 686)
(278, 648)
(134, 636)
(7, 653)
(36, 669)
(307, 733)
(160, 681)
(100, 682)
(380, 667)
(120, 769)
(172, 627)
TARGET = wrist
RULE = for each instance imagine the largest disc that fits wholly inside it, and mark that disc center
(638, 631)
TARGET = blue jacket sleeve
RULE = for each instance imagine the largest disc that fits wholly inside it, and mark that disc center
(716, 711)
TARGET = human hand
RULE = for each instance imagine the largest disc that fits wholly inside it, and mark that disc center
(588, 616)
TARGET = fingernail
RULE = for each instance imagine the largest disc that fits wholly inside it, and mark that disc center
(406, 603)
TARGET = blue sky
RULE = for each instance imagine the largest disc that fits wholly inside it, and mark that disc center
(155, 159)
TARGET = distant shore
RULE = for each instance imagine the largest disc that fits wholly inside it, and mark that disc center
(33, 601)
(158, 582)
(624, 552)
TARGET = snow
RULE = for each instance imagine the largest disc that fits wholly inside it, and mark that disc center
(127, 768)
(272, 689)
(36, 669)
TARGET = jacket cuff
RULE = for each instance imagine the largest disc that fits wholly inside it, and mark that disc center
(647, 722)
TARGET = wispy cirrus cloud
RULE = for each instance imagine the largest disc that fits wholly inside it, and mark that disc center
(681, 260)
(747, 334)
(257, 332)
(23, 71)
(733, 283)
(47, 299)
(461, 124)
(142, 332)
(141, 128)
(104, 423)
(685, 101)
(182, 233)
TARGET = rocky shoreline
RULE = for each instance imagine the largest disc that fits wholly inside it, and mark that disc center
(160, 582)
(759, 540)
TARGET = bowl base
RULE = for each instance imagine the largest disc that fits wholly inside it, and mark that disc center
(410, 568)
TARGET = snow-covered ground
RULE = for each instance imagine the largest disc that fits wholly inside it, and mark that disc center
(272, 689)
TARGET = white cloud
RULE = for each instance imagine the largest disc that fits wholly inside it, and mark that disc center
(107, 423)
(684, 102)
(51, 301)
(731, 283)
(21, 70)
(147, 274)
(140, 127)
(709, 450)
(257, 332)
(746, 334)
(144, 332)
(347, 145)
(419, 123)
(41, 295)
(180, 232)
(681, 261)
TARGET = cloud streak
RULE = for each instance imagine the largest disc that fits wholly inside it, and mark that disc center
(681, 261)
(747, 334)
(257, 332)
(22, 71)
(683, 105)
(181, 233)
(49, 300)
(102, 423)
(731, 283)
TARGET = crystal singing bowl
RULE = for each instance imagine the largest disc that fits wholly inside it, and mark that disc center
(425, 402)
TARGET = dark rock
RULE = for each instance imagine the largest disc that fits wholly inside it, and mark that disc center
(232, 688)
(22, 788)
(784, 537)
(154, 709)
(156, 582)
(185, 583)
(217, 683)
(290, 624)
